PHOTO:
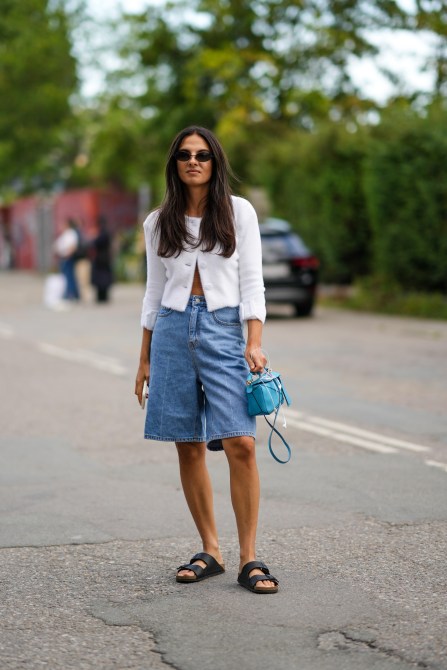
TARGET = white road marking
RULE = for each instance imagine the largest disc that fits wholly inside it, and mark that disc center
(345, 428)
(340, 437)
(6, 331)
(86, 357)
(437, 464)
(334, 430)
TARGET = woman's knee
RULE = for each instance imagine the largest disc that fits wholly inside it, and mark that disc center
(190, 453)
(240, 448)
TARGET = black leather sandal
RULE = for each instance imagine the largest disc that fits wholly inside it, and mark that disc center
(250, 582)
(212, 569)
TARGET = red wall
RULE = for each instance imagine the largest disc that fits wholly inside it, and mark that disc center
(84, 205)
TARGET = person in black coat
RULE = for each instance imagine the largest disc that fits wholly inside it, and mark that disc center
(102, 273)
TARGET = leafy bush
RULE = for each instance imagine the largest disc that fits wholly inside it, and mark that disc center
(406, 191)
(369, 203)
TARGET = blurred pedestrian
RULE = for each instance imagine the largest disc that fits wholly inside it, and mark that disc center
(101, 259)
(204, 276)
(82, 266)
(65, 247)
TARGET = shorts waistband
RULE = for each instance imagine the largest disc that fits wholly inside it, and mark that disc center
(197, 300)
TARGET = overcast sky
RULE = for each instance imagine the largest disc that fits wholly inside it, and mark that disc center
(400, 52)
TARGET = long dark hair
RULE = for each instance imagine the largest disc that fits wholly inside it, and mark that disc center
(217, 225)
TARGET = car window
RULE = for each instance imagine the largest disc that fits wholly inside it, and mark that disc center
(279, 247)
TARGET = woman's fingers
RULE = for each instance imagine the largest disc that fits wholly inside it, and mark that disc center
(139, 389)
(256, 360)
(142, 376)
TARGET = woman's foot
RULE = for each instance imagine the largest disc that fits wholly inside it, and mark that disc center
(208, 565)
(254, 577)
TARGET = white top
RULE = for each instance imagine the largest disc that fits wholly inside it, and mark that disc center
(226, 282)
(66, 243)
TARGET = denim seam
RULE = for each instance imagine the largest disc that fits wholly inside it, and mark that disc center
(192, 346)
(148, 436)
(230, 324)
(164, 396)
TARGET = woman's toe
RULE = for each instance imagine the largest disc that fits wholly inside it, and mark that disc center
(264, 585)
(186, 573)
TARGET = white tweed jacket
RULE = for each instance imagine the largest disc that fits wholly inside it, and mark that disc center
(227, 282)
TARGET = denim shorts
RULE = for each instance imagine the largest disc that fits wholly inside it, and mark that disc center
(197, 377)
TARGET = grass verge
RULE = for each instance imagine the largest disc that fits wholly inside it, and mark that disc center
(371, 295)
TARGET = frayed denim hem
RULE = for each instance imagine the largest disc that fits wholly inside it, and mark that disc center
(214, 444)
(147, 436)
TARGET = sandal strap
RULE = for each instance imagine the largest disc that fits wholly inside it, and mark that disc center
(202, 556)
(248, 567)
(197, 569)
(262, 578)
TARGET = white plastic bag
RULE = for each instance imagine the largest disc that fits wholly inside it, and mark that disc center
(53, 291)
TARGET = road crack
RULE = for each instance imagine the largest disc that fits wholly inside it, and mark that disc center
(339, 640)
(118, 617)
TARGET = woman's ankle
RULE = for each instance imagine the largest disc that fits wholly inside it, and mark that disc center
(212, 549)
(246, 557)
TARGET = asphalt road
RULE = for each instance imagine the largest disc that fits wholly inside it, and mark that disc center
(93, 522)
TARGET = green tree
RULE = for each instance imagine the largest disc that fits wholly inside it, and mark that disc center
(315, 182)
(110, 146)
(252, 69)
(37, 78)
(230, 62)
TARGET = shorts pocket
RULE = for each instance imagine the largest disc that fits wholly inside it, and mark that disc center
(227, 316)
(164, 311)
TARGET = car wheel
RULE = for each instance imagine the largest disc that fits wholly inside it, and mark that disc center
(304, 308)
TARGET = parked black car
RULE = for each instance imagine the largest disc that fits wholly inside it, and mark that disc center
(290, 269)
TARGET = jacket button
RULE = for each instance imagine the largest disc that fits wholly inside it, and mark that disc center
(208, 286)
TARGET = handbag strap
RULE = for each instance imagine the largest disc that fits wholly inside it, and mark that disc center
(273, 429)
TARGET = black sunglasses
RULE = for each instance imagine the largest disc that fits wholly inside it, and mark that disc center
(201, 156)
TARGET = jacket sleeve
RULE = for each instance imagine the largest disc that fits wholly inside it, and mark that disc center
(156, 276)
(251, 282)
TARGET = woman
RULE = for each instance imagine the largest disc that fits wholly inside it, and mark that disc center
(204, 278)
(65, 247)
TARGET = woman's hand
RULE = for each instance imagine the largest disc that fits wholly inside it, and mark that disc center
(142, 374)
(255, 358)
(253, 352)
(144, 366)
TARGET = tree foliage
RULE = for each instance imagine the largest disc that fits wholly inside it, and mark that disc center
(431, 17)
(363, 184)
(315, 182)
(245, 62)
(37, 77)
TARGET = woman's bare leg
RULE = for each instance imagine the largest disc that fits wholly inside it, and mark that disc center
(244, 483)
(198, 492)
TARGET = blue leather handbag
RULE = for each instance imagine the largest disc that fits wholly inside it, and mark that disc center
(266, 394)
